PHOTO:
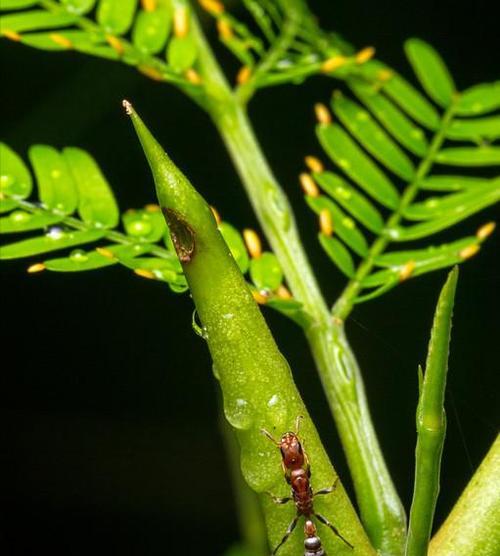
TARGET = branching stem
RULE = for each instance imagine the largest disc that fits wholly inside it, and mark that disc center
(381, 509)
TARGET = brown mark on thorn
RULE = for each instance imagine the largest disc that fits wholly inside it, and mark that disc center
(182, 235)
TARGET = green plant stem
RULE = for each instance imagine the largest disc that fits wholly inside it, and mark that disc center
(381, 509)
(431, 424)
(347, 299)
(472, 526)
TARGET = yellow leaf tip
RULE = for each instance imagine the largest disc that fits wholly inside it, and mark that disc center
(365, 54)
(469, 251)
(322, 114)
(37, 267)
(314, 164)
(325, 222)
(486, 230)
(145, 273)
(308, 185)
(406, 271)
(253, 243)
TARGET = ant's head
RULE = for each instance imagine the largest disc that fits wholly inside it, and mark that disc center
(291, 450)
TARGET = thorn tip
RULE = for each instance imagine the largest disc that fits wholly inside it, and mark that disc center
(128, 107)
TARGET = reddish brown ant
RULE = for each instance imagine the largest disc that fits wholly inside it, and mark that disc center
(298, 474)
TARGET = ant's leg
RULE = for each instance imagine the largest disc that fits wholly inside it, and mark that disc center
(289, 531)
(270, 436)
(297, 423)
(278, 500)
(328, 489)
(333, 528)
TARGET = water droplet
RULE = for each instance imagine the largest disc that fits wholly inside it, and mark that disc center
(432, 203)
(343, 163)
(362, 115)
(239, 413)
(140, 228)
(55, 174)
(78, 255)
(277, 411)
(55, 233)
(19, 216)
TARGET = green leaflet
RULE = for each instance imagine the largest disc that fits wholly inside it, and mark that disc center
(116, 16)
(373, 137)
(151, 30)
(167, 270)
(402, 128)
(15, 178)
(236, 245)
(458, 203)
(21, 221)
(78, 40)
(292, 309)
(405, 95)
(57, 189)
(479, 99)
(476, 130)
(338, 254)
(78, 7)
(343, 226)
(80, 260)
(431, 71)
(16, 4)
(53, 241)
(266, 272)
(449, 218)
(469, 156)
(425, 260)
(145, 225)
(34, 20)
(348, 156)
(181, 53)
(351, 200)
(453, 183)
(96, 204)
(6, 205)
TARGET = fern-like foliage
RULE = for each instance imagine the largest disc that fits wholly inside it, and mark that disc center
(155, 36)
(395, 146)
(76, 207)
(288, 47)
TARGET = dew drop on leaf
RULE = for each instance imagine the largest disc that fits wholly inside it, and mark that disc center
(277, 411)
(19, 216)
(239, 413)
(55, 233)
(78, 255)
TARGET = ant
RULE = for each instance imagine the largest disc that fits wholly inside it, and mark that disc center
(297, 471)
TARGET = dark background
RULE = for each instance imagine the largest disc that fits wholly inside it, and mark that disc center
(109, 414)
